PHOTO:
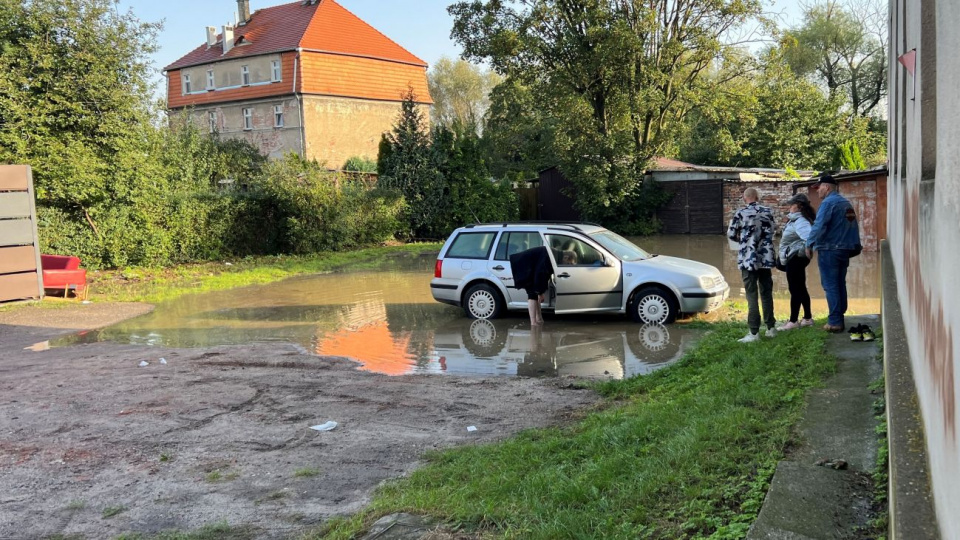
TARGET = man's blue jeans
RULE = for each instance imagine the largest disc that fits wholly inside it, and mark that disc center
(833, 265)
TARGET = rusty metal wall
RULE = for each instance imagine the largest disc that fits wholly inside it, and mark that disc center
(20, 272)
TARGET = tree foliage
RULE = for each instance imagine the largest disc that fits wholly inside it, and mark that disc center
(117, 189)
(442, 175)
(618, 77)
(460, 92)
(843, 45)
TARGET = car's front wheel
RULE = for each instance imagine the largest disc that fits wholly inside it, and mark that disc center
(654, 305)
(482, 301)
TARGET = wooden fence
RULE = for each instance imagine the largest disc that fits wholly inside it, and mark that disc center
(20, 272)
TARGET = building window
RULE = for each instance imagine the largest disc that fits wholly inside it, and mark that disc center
(278, 116)
(275, 71)
(213, 121)
(186, 84)
(247, 118)
(210, 80)
(244, 75)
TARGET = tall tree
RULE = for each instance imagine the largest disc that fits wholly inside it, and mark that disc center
(771, 118)
(460, 92)
(74, 97)
(617, 75)
(406, 166)
(844, 47)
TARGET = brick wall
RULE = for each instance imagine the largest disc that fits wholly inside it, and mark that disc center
(867, 195)
(772, 195)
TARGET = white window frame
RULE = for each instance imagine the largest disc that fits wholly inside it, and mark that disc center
(245, 75)
(212, 117)
(278, 116)
(247, 118)
(275, 73)
(186, 83)
(211, 80)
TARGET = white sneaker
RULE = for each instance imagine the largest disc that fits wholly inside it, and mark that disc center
(749, 338)
(771, 332)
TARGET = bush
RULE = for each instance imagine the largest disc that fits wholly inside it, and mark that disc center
(360, 164)
(319, 210)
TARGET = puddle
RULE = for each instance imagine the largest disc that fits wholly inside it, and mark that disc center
(387, 320)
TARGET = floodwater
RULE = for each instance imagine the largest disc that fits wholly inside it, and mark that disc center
(387, 321)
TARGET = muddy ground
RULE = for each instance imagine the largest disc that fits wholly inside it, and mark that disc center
(93, 445)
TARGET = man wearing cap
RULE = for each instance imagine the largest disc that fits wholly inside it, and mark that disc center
(835, 236)
(751, 230)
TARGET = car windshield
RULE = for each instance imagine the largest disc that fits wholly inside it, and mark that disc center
(622, 248)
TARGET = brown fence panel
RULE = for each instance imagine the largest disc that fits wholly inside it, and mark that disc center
(17, 259)
(529, 203)
(556, 203)
(705, 207)
(20, 272)
(674, 216)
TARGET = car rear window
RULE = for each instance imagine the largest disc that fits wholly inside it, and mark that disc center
(515, 242)
(474, 245)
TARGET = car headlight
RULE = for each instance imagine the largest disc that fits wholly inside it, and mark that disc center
(709, 282)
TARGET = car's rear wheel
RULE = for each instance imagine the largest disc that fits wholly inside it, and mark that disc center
(654, 305)
(482, 301)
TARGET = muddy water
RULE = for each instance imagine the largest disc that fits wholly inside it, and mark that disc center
(387, 320)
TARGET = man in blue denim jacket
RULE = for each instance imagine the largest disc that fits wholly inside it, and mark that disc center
(835, 236)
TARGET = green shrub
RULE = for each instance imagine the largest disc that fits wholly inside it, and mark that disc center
(360, 164)
(319, 210)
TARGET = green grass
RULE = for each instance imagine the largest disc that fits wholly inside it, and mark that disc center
(159, 284)
(687, 452)
(77, 504)
(306, 472)
(220, 476)
(111, 511)
(217, 531)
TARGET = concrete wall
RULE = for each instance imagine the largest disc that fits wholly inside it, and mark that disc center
(923, 222)
(271, 140)
(340, 128)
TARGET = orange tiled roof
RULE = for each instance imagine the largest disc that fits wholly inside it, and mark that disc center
(325, 26)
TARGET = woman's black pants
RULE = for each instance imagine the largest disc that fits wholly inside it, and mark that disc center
(797, 282)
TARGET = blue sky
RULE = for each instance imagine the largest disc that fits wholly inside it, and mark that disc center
(420, 26)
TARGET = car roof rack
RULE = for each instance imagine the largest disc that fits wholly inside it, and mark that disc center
(570, 224)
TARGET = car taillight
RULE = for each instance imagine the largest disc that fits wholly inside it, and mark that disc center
(437, 269)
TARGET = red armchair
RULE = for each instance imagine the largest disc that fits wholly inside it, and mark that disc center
(64, 272)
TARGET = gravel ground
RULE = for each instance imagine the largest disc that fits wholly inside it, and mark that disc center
(220, 434)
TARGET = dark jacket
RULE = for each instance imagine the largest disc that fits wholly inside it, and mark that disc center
(531, 270)
(836, 226)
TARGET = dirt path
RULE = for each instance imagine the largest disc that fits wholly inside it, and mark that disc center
(220, 434)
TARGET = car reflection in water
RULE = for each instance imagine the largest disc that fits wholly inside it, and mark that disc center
(610, 350)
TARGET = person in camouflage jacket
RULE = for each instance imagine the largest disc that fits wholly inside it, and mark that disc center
(752, 229)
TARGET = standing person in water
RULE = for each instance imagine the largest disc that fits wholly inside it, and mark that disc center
(793, 255)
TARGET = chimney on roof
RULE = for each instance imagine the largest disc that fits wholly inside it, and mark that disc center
(211, 36)
(243, 12)
(227, 38)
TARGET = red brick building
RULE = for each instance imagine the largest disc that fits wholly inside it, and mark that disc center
(307, 77)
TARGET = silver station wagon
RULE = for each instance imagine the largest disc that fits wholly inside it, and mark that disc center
(596, 270)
